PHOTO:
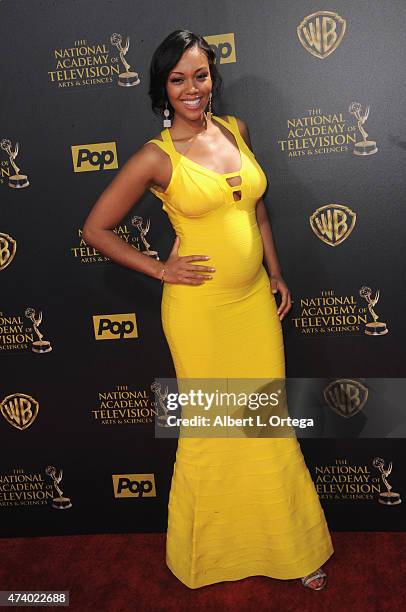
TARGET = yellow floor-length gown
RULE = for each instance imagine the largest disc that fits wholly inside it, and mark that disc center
(237, 507)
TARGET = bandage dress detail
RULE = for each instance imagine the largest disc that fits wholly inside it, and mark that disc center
(238, 507)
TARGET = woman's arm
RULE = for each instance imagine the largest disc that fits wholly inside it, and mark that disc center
(271, 257)
(147, 167)
(115, 202)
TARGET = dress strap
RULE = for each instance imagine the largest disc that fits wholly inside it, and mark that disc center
(165, 144)
(233, 123)
(232, 126)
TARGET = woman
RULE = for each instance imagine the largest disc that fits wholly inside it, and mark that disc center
(237, 507)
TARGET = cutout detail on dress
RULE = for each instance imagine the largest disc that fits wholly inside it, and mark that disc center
(232, 178)
(237, 195)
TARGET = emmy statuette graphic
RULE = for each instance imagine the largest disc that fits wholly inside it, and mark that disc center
(388, 497)
(17, 180)
(365, 146)
(127, 78)
(377, 328)
(137, 222)
(61, 502)
(40, 345)
(161, 397)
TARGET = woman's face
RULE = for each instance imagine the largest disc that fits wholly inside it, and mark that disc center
(189, 84)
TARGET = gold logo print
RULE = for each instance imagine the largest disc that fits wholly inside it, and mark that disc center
(17, 181)
(389, 497)
(115, 326)
(38, 346)
(161, 396)
(377, 328)
(134, 485)
(346, 396)
(8, 247)
(91, 157)
(83, 64)
(333, 223)
(127, 78)
(138, 223)
(223, 46)
(364, 146)
(60, 502)
(321, 33)
(20, 410)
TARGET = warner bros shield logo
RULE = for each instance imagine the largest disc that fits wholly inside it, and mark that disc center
(346, 396)
(333, 223)
(321, 33)
(19, 409)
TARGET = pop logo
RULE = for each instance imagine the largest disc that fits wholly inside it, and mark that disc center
(90, 157)
(134, 485)
(223, 46)
(115, 326)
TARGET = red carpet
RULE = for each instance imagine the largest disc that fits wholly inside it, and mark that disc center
(124, 573)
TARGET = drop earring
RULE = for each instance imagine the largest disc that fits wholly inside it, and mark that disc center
(209, 114)
(167, 121)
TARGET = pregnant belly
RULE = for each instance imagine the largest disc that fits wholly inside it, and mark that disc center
(235, 249)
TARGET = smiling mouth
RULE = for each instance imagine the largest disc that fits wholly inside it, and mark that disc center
(192, 103)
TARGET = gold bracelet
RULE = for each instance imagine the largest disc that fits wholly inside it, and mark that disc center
(162, 275)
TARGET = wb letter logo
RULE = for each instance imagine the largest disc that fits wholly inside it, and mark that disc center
(321, 33)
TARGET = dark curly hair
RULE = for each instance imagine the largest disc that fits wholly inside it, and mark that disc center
(166, 56)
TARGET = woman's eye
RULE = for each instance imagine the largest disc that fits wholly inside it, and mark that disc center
(176, 80)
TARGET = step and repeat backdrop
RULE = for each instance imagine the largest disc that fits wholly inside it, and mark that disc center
(321, 88)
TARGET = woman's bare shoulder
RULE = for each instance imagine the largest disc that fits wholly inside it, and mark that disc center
(152, 162)
(153, 151)
(150, 151)
(149, 160)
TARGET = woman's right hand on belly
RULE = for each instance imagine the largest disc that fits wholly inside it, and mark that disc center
(181, 270)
